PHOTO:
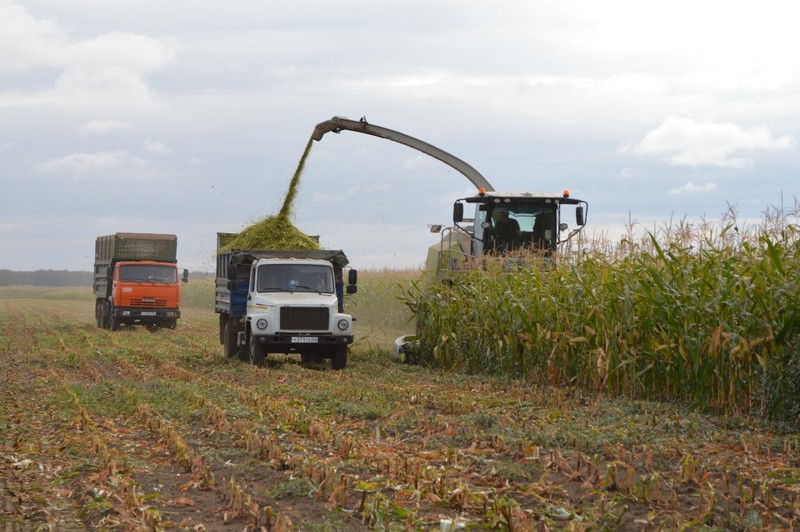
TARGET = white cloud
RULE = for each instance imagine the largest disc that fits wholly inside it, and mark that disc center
(154, 146)
(418, 161)
(26, 42)
(110, 65)
(128, 51)
(100, 127)
(684, 142)
(725, 80)
(11, 226)
(114, 83)
(692, 188)
(90, 163)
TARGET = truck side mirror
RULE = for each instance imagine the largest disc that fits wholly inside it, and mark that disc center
(232, 285)
(231, 272)
(351, 289)
(185, 277)
(579, 216)
(458, 212)
(352, 278)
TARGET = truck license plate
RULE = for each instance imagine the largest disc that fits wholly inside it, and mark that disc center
(304, 339)
(148, 313)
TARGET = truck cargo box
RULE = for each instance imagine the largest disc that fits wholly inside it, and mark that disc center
(136, 246)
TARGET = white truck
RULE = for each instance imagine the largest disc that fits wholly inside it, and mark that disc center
(284, 301)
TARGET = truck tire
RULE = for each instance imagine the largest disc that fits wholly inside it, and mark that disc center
(104, 314)
(223, 320)
(229, 347)
(98, 314)
(257, 353)
(307, 359)
(112, 322)
(339, 359)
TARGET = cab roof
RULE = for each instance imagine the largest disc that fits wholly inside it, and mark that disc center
(246, 256)
(490, 195)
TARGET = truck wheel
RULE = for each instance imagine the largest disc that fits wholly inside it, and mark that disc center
(339, 360)
(307, 359)
(98, 314)
(112, 322)
(257, 353)
(229, 346)
(104, 315)
(223, 321)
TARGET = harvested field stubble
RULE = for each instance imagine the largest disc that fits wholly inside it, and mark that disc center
(141, 430)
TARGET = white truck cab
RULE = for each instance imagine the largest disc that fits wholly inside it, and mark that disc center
(273, 301)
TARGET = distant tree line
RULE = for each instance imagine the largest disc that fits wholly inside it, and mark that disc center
(45, 278)
(62, 278)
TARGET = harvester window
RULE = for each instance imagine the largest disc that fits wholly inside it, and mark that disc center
(505, 234)
(543, 230)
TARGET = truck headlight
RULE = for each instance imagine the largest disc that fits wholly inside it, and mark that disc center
(343, 325)
(261, 324)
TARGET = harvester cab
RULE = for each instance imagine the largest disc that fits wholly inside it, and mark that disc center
(495, 224)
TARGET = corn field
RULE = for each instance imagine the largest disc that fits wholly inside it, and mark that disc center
(701, 313)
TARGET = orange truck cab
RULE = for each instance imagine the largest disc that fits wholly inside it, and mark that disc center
(136, 280)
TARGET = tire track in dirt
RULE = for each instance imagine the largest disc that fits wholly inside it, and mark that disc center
(231, 501)
(466, 447)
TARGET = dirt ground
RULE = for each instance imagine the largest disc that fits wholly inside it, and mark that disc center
(138, 430)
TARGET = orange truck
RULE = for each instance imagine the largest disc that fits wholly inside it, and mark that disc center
(136, 280)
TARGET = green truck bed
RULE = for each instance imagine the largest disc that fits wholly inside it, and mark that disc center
(136, 246)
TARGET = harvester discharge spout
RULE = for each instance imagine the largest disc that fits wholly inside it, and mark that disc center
(338, 124)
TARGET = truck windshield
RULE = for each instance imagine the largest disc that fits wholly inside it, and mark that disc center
(148, 273)
(295, 278)
(519, 225)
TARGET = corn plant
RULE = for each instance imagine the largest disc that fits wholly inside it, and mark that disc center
(705, 315)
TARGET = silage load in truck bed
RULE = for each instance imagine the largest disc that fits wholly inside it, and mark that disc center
(274, 232)
(277, 232)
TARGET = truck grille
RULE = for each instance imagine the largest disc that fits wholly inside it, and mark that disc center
(304, 318)
(146, 302)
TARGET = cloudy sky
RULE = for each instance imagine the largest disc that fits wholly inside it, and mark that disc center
(190, 117)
